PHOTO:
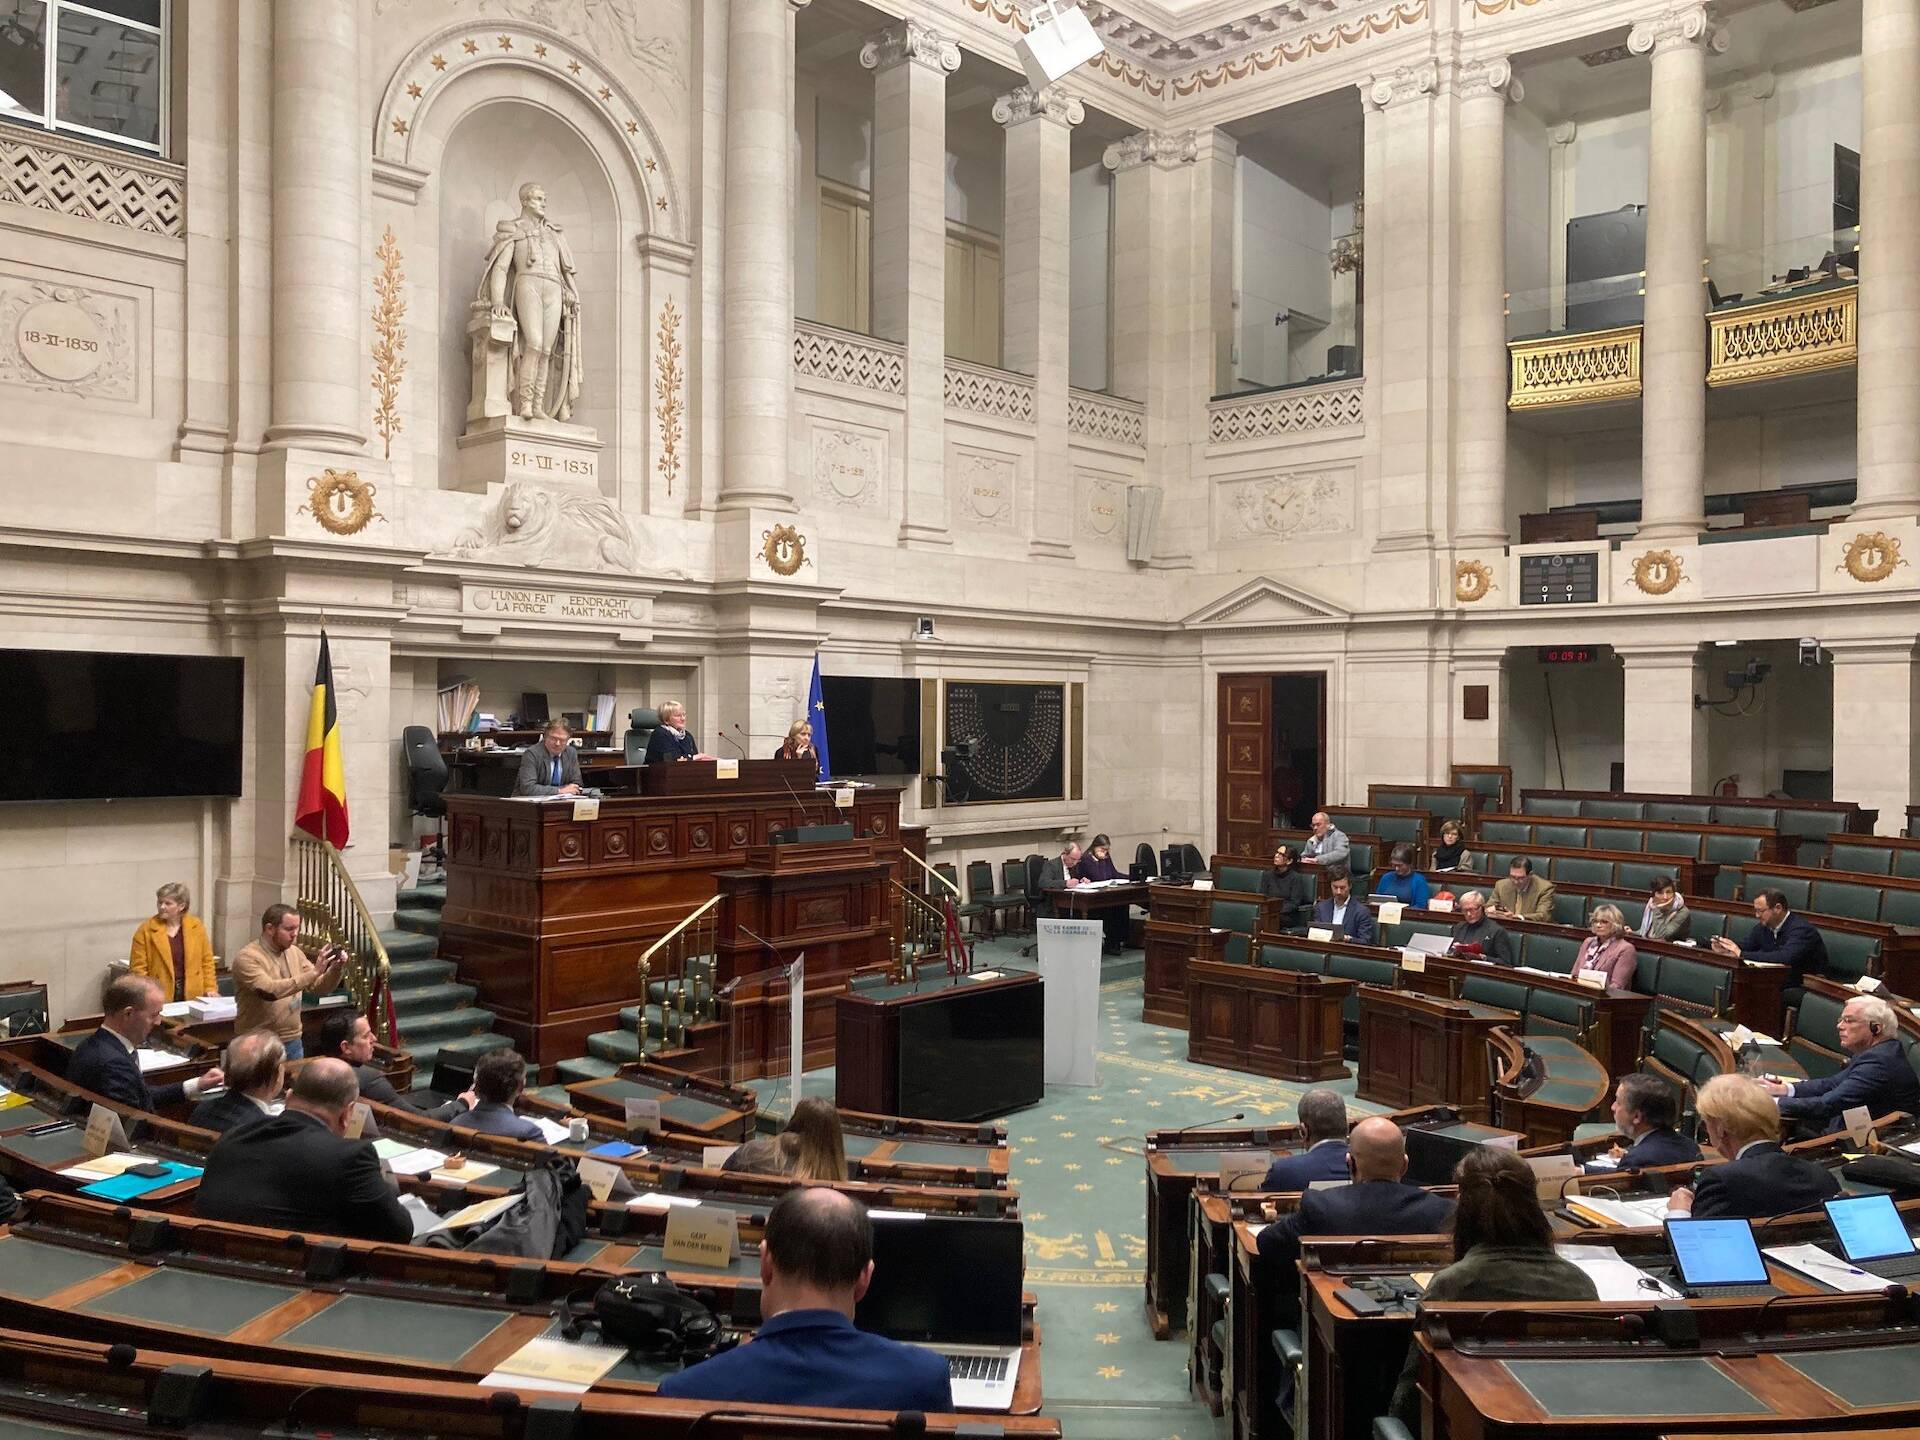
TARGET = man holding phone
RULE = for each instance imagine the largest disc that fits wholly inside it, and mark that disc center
(270, 975)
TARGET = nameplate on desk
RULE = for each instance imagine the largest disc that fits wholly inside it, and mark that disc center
(1592, 979)
(1391, 911)
(1445, 907)
(713, 1157)
(726, 769)
(1413, 962)
(1203, 884)
(645, 1114)
(1319, 932)
(103, 1131)
(1235, 1168)
(843, 798)
(1858, 1120)
(357, 1119)
(587, 807)
(708, 1237)
(599, 1177)
(1866, 984)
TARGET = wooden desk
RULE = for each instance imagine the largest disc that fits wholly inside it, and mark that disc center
(941, 1050)
(1078, 902)
(1421, 1050)
(547, 915)
(1266, 1021)
(1619, 1016)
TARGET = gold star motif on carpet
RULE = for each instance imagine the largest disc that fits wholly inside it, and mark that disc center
(1033, 1160)
(1153, 1104)
(1036, 1216)
(1133, 1092)
(1107, 1337)
(1106, 1307)
(1066, 1134)
(1071, 1165)
(1029, 1139)
(1083, 1187)
(1110, 1372)
(1115, 1160)
(1104, 1139)
(1056, 1117)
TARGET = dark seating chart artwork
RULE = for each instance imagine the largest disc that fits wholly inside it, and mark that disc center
(1005, 741)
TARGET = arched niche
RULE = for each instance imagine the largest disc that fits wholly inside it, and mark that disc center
(458, 138)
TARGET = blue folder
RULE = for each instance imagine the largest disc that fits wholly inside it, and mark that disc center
(132, 1187)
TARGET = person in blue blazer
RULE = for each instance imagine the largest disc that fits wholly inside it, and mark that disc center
(498, 1078)
(1323, 1118)
(1347, 917)
(816, 1261)
(1645, 1110)
(1877, 1074)
(105, 1063)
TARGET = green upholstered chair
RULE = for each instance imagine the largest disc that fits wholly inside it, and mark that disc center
(1241, 879)
(1367, 971)
(1679, 811)
(1900, 907)
(1574, 837)
(1505, 832)
(1549, 952)
(1391, 800)
(1691, 987)
(1549, 1012)
(1485, 785)
(1488, 990)
(1849, 955)
(982, 898)
(1813, 824)
(1692, 1062)
(1906, 863)
(1672, 842)
(1240, 918)
(1612, 809)
(1401, 829)
(1845, 897)
(1703, 925)
(1445, 807)
(1580, 870)
(1622, 839)
(1638, 875)
(1731, 849)
(1765, 816)
(1860, 859)
(1402, 932)
(1361, 856)
(1549, 805)
(1729, 881)
(1797, 888)
(1813, 1042)
(1569, 908)
(1292, 957)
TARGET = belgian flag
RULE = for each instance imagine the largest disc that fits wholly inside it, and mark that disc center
(322, 808)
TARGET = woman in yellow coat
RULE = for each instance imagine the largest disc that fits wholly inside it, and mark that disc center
(172, 950)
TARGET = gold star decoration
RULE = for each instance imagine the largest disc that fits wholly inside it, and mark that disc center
(573, 66)
(506, 41)
(399, 126)
(1103, 1139)
(651, 167)
(1083, 1187)
(1056, 1117)
(661, 203)
(1066, 1135)
(1115, 1160)
(1109, 1372)
(1133, 1092)
(1106, 1307)
(1034, 1160)
(1153, 1104)
(1029, 1139)
(606, 92)
(472, 47)
(1070, 1165)
(413, 89)
(1094, 1098)
(633, 127)
(1107, 1337)
(439, 62)
(1036, 1216)
(539, 52)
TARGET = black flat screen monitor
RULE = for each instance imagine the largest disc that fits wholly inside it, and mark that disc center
(101, 725)
(873, 724)
(971, 1056)
(948, 1279)
(1432, 1154)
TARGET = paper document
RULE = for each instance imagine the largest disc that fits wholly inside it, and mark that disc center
(660, 1203)
(105, 1167)
(174, 1009)
(423, 1218)
(465, 1173)
(477, 1214)
(1817, 1264)
(1633, 1214)
(414, 1162)
(1614, 1278)
(554, 1131)
(550, 1363)
(151, 1060)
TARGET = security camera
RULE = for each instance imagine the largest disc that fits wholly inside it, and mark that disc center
(1809, 650)
(923, 627)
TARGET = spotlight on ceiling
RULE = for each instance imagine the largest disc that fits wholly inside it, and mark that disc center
(1060, 42)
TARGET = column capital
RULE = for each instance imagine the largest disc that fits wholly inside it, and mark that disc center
(1017, 107)
(1481, 79)
(1162, 148)
(914, 41)
(1683, 25)
(1407, 83)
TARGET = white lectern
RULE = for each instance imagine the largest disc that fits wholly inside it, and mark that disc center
(1070, 970)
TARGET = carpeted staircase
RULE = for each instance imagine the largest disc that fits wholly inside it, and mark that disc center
(436, 1012)
(609, 1049)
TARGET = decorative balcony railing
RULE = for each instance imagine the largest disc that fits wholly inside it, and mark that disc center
(845, 358)
(1580, 369)
(1103, 417)
(1272, 413)
(987, 391)
(1789, 335)
(91, 182)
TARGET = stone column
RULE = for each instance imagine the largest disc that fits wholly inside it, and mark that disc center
(1665, 734)
(320, 394)
(1673, 407)
(910, 63)
(1035, 299)
(1876, 742)
(1480, 441)
(758, 335)
(1889, 374)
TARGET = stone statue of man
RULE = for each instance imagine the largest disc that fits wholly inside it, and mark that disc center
(529, 281)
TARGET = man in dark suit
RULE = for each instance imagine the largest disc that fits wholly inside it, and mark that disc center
(1348, 918)
(550, 768)
(816, 1261)
(1323, 1116)
(1759, 1178)
(1645, 1111)
(1780, 937)
(1378, 1202)
(1062, 872)
(105, 1062)
(498, 1078)
(256, 1074)
(346, 1035)
(1877, 1074)
(298, 1171)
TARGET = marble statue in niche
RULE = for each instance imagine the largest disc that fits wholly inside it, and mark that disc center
(557, 529)
(525, 320)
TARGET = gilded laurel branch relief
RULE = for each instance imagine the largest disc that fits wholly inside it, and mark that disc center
(668, 378)
(389, 339)
(68, 339)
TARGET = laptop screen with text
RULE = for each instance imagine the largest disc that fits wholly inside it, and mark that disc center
(1869, 1227)
(1716, 1252)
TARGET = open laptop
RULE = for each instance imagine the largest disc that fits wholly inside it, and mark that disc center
(1873, 1235)
(1429, 944)
(951, 1284)
(1718, 1259)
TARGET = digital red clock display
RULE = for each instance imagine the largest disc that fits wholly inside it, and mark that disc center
(1564, 654)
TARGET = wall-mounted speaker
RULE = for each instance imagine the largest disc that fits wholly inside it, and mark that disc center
(1143, 513)
(1058, 46)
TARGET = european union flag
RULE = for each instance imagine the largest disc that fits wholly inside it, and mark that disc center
(817, 716)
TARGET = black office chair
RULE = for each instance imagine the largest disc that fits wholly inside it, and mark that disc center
(641, 724)
(1143, 855)
(426, 780)
(1192, 860)
(1035, 899)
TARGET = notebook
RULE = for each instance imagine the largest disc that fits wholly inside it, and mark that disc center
(951, 1284)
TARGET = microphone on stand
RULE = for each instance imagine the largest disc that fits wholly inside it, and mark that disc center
(735, 743)
(1216, 1120)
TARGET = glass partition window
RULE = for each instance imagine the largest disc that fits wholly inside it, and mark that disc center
(103, 76)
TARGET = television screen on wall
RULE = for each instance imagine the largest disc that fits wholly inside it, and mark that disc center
(93, 725)
(873, 725)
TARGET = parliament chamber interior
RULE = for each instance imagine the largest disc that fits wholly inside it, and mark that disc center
(1262, 785)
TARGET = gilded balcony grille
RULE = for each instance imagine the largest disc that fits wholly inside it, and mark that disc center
(1578, 369)
(1791, 335)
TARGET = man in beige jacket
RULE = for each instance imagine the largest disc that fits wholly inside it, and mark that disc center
(271, 973)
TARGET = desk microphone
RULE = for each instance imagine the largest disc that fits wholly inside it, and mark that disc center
(1217, 1120)
(733, 742)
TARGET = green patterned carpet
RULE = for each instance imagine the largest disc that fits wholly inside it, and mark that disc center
(1077, 1160)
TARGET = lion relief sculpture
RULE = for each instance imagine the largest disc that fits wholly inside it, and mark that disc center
(555, 530)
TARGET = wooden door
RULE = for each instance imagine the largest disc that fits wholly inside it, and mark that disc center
(1245, 734)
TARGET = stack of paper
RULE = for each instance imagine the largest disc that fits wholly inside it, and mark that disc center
(477, 1213)
(603, 712)
(213, 1007)
(1631, 1214)
(660, 1203)
(1614, 1278)
(458, 704)
(1829, 1270)
(548, 1362)
(465, 1173)
(404, 1160)
(105, 1167)
(151, 1060)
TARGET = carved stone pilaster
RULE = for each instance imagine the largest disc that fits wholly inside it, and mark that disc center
(1017, 107)
(1684, 25)
(1480, 78)
(910, 40)
(1164, 148)
(1407, 83)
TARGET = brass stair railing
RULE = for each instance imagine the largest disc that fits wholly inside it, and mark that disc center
(684, 957)
(331, 906)
(919, 931)
(944, 897)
